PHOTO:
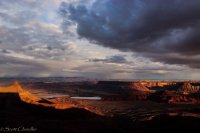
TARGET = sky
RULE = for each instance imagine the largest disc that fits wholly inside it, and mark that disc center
(101, 39)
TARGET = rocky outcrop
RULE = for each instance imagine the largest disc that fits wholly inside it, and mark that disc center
(19, 116)
(174, 97)
(138, 87)
(122, 85)
(23, 94)
(188, 88)
(27, 97)
(157, 83)
(184, 99)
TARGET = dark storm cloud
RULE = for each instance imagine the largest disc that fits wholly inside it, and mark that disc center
(119, 59)
(165, 31)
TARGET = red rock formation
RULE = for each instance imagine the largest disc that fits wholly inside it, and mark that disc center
(138, 87)
(27, 97)
(157, 83)
(184, 99)
(187, 88)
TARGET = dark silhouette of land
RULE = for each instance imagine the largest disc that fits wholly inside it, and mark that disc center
(18, 111)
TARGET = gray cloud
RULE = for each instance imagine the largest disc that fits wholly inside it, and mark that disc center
(165, 31)
(119, 59)
(5, 51)
(32, 43)
(11, 66)
(23, 30)
(31, 40)
(17, 12)
(33, 34)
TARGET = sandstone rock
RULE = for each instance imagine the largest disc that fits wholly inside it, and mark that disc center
(187, 88)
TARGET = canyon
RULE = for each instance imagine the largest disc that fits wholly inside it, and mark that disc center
(114, 106)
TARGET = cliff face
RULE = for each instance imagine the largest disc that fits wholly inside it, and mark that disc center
(187, 88)
(23, 94)
(183, 93)
(16, 115)
(27, 97)
(138, 87)
(157, 83)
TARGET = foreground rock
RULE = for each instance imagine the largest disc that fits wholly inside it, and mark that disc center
(27, 97)
(15, 113)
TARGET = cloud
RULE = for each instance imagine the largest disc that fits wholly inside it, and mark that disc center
(31, 40)
(26, 28)
(37, 40)
(15, 66)
(164, 31)
(118, 59)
